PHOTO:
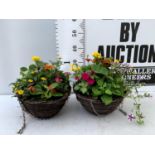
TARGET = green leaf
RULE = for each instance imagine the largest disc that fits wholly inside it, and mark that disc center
(76, 87)
(58, 94)
(96, 92)
(32, 67)
(40, 63)
(106, 99)
(54, 85)
(23, 69)
(117, 92)
(100, 69)
(48, 95)
(116, 86)
(83, 90)
(100, 82)
(108, 91)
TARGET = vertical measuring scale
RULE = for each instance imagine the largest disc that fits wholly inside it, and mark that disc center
(70, 41)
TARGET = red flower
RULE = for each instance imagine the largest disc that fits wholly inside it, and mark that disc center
(91, 81)
(77, 78)
(58, 80)
(85, 76)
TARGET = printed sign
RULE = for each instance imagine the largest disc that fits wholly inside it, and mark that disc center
(131, 41)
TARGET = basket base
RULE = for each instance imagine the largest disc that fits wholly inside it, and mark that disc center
(96, 107)
(42, 109)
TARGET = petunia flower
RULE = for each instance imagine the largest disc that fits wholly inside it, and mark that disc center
(85, 76)
(90, 81)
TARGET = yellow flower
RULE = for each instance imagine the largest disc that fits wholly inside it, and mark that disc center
(116, 61)
(75, 67)
(20, 92)
(36, 58)
(96, 54)
(30, 80)
(43, 79)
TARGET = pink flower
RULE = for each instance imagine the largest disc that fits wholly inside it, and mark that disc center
(58, 80)
(85, 76)
(67, 73)
(91, 81)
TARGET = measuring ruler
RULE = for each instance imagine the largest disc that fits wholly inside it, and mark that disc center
(70, 41)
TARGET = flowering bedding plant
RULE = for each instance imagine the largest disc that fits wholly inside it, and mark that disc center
(41, 80)
(101, 79)
(104, 79)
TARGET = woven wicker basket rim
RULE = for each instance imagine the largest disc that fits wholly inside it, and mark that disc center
(94, 100)
(51, 101)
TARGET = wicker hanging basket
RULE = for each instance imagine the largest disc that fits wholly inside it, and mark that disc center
(96, 107)
(43, 109)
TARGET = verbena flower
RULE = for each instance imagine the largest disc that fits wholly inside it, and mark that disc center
(58, 79)
(131, 117)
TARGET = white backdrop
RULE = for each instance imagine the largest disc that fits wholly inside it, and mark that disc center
(19, 41)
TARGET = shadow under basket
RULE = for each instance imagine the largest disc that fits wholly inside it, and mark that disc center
(43, 109)
(96, 107)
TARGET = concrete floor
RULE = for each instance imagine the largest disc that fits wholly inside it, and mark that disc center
(74, 120)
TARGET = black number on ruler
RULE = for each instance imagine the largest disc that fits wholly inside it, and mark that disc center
(74, 48)
(74, 33)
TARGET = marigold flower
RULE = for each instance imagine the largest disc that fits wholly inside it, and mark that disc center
(116, 61)
(36, 58)
(96, 54)
(20, 92)
(30, 80)
(48, 67)
(43, 78)
(106, 62)
(75, 67)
